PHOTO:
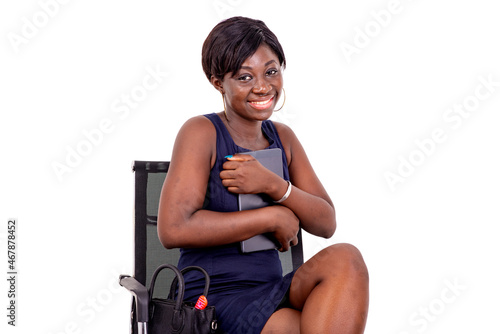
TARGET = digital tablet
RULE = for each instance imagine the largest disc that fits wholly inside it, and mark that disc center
(272, 160)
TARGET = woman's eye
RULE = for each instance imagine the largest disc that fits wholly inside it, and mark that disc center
(272, 72)
(245, 77)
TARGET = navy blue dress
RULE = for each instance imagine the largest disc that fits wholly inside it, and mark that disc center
(245, 288)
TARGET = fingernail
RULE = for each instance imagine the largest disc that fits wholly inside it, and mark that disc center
(228, 156)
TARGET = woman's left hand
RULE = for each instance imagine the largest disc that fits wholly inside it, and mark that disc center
(243, 174)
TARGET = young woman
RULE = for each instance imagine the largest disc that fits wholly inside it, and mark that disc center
(243, 60)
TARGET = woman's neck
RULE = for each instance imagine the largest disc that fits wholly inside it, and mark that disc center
(245, 133)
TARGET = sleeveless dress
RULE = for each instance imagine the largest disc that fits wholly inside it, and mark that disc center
(244, 288)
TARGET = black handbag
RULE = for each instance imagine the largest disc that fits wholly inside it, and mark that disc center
(175, 316)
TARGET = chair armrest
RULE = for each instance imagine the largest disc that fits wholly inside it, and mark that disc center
(140, 294)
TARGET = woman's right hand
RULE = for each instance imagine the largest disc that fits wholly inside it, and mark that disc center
(285, 226)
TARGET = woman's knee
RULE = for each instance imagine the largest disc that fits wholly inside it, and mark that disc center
(336, 264)
(344, 258)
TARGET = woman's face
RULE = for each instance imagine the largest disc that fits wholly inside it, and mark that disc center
(253, 91)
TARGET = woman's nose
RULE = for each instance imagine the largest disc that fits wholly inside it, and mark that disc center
(261, 87)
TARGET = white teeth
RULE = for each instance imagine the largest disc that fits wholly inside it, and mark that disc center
(261, 102)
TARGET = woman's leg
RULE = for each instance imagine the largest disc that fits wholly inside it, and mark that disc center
(331, 289)
(283, 321)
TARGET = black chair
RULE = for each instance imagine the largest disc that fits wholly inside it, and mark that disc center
(150, 253)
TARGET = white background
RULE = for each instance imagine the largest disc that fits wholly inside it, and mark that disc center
(65, 69)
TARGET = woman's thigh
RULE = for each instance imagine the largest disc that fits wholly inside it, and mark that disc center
(334, 263)
(283, 321)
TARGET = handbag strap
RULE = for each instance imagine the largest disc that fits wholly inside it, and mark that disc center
(185, 270)
(178, 277)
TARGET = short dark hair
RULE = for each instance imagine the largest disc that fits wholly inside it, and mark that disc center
(232, 41)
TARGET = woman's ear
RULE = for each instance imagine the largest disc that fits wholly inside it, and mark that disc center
(217, 83)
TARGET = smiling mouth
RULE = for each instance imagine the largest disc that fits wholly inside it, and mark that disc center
(261, 105)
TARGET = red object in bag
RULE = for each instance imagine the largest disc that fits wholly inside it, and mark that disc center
(201, 303)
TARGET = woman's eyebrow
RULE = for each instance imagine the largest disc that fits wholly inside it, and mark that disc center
(266, 64)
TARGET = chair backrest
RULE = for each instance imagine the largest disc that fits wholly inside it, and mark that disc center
(149, 252)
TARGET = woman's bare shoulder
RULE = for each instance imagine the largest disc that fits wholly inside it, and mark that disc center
(287, 137)
(285, 132)
(197, 129)
(198, 123)
(196, 139)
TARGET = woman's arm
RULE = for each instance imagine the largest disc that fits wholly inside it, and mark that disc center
(181, 220)
(308, 199)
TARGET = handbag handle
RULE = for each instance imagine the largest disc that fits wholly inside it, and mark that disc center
(178, 276)
(185, 270)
